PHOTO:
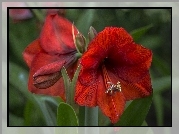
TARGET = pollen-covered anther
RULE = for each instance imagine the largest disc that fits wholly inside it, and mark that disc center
(113, 88)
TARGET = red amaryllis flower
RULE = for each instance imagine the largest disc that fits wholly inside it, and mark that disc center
(113, 70)
(46, 56)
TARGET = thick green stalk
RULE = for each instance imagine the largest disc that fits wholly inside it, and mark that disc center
(91, 116)
(81, 116)
(38, 15)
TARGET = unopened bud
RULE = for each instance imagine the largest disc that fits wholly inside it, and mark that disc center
(47, 80)
(92, 33)
(80, 42)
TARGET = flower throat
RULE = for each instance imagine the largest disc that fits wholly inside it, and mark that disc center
(111, 88)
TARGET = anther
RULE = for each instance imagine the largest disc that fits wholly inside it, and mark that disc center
(113, 88)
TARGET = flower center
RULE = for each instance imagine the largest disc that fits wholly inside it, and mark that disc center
(111, 88)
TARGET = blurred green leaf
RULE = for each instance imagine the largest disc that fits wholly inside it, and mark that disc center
(136, 112)
(18, 78)
(151, 41)
(137, 33)
(161, 66)
(20, 35)
(85, 21)
(50, 108)
(161, 84)
(32, 115)
(158, 103)
(15, 120)
(66, 116)
(16, 101)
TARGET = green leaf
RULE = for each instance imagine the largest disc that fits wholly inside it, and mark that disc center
(33, 115)
(136, 112)
(49, 106)
(161, 84)
(158, 104)
(85, 21)
(137, 33)
(66, 115)
(18, 78)
(15, 120)
(20, 35)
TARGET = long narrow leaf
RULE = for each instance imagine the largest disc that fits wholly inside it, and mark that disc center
(137, 33)
(136, 112)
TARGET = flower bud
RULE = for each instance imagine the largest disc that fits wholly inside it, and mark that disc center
(47, 80)
(80, 42)
(92, 33)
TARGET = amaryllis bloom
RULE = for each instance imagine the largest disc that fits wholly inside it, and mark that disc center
(47, 55)
(114, 69)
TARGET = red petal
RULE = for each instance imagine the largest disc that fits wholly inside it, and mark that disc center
(133, 71)
(136, 90)
(50, 68)
(90, 62)
(130, 54)
(51, 64)
(30, 51)
(56, 35)
(86, 95)
(111, 105)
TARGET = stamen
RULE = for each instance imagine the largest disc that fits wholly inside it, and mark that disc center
(111, 88)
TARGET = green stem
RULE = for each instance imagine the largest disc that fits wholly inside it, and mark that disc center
(91, 116)
(81, 116)
(38, 15)
(67, 84)
(78, 55)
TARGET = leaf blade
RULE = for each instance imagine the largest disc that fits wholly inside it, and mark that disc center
(66, 115)
(136, 112)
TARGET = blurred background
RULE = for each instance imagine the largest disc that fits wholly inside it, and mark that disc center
(26, 109)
